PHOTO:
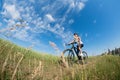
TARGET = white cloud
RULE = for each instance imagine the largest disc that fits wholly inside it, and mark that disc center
(84, 0)
(22, 35)
(75, 4)
(11, 22)
(11, 11)
(72, 4)
(21, 9)
(33, 1)
(71, 21)
(80, 5)
(45, 8)
(50, 17)
(53, 45)
(0, 24)
(27, 28)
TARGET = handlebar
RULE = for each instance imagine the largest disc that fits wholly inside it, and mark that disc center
(70, 43)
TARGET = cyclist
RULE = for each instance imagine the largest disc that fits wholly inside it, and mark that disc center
(79, 42)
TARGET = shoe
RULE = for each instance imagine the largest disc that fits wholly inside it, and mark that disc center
(80, 54)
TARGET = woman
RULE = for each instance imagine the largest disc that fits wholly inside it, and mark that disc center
(79, 42)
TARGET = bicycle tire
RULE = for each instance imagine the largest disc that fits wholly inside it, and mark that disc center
(70, 57)
(85, 56)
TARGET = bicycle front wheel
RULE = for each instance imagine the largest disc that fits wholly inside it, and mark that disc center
(69, 56)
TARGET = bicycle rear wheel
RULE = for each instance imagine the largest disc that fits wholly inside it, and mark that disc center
(69, 56)
(85, 56)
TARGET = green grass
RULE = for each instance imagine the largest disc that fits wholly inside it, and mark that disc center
(17, 63)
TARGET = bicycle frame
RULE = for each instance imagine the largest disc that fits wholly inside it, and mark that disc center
(74, 49)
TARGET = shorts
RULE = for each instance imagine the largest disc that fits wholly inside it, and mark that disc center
(80, 45)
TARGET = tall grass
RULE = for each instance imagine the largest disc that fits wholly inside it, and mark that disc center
(17, 63)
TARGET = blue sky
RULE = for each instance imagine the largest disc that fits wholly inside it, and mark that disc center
(46, 25)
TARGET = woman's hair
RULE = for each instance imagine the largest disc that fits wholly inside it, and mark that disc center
(75, 34)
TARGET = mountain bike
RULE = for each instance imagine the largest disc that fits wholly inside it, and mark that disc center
(69, 55)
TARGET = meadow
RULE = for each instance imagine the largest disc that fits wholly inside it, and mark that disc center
(18, 63)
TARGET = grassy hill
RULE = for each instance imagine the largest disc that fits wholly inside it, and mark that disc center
(17, 63)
